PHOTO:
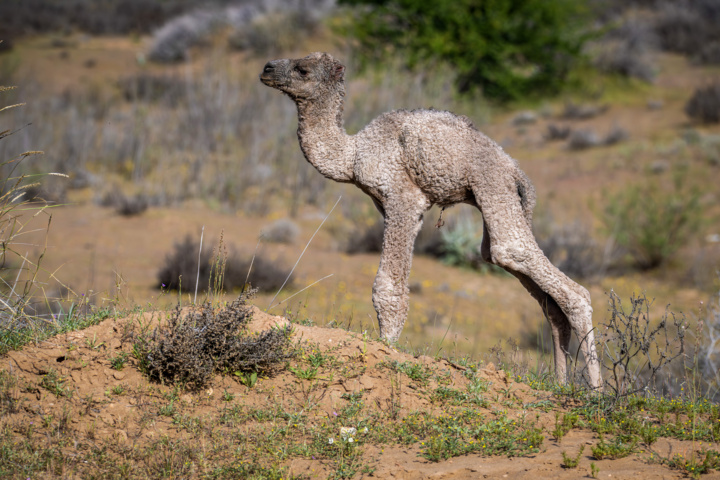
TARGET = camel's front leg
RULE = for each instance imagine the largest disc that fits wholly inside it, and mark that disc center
(390, 291)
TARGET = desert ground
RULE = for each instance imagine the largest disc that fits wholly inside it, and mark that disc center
(157, 153)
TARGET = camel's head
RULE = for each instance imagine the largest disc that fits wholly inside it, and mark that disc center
(305, 78)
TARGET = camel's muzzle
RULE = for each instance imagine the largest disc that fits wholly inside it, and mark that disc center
(270, 75)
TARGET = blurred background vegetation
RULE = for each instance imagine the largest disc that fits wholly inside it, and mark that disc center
(154, 111)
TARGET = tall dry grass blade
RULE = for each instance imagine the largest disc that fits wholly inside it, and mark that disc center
(197, 279)
(12, 291)
(252, 261)
(11, 106)
(298, 293)
(303, 252)
(8, 306)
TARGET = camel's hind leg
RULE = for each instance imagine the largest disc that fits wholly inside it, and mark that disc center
(559, 324)
(509, 243)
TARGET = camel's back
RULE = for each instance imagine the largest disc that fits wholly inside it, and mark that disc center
(438, 150)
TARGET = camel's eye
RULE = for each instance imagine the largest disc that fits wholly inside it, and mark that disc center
(301, 70)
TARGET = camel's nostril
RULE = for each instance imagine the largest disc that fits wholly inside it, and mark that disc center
(268, 68)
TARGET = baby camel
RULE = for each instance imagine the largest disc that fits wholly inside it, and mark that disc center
(408, 161)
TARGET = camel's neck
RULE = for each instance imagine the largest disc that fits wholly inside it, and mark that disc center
(323, 139)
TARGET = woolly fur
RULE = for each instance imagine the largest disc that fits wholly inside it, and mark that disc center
(408, 161)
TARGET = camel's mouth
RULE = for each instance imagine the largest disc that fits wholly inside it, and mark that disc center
(268, 80)
(272, 81)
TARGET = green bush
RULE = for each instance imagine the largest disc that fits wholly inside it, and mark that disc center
(507, 48)
(653, 222)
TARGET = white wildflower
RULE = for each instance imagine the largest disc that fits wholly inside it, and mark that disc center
(347, 431)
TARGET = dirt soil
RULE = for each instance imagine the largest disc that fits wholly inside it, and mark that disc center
(100, 417)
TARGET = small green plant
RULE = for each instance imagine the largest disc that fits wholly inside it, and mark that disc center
(649, 434)
(559, 431)
(572, 462)
(139, 352)
(118, 361)
(306, 374)
(9, 393)
(168, 410)
(696, 464)
(620, 447)
(569, 420)
(92, 343)
(478, 385)
(317, 359)
(461, 245)
(415, 371)
(118, 389)
(249, 379)
(594, 470)
(253, 470)
(53, 382)
(227, 396)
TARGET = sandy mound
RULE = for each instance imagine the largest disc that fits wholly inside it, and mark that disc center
(67, 388)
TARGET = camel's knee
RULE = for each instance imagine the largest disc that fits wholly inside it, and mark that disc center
(509, 257)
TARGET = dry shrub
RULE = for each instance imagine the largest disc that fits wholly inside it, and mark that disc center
(710, 54)
(587, 138)
(689, 27)
(571, 248)
(260, 25)
(49, 193)
(281, 231)
(430, 240)
(557, 132)
(366, 240)
(273, 33)
(126, 205)
(193, 346)
(627, 50)
(574, 111)
(583, 139)
(710, 149)
(181, 268)
(148, 87)
(704, 106)
(616, 134)
(634, 351)
(707, 340)
(172, 41)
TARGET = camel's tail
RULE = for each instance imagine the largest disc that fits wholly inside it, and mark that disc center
(526, 191)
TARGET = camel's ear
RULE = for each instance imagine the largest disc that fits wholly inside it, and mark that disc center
(338, 72)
